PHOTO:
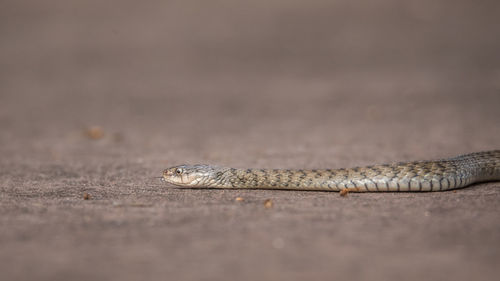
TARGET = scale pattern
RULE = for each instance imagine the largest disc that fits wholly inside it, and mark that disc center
(438, 175)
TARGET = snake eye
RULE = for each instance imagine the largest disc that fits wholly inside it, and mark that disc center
(178, 171)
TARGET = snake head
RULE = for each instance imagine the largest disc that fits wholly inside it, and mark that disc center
(192, 175)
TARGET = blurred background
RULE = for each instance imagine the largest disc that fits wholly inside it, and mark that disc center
(100, 94)
(236, 75)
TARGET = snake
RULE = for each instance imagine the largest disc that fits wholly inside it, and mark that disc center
(429, 175)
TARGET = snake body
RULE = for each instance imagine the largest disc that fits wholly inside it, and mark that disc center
(436, 175)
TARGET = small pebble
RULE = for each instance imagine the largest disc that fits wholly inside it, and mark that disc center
(94, 132)
(239, 199)
(268, 203)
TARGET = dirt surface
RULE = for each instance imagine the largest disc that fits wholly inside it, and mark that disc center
(98, 97)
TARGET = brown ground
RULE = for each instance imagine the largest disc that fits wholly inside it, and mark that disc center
(255, 84)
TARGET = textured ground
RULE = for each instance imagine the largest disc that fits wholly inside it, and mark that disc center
(257, 84)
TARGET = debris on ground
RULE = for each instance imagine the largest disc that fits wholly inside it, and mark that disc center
(268, 203)
(94, 132)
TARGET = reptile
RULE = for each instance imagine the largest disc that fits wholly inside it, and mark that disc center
(433, 175)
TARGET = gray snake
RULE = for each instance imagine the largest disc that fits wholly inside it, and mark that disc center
(436, 175)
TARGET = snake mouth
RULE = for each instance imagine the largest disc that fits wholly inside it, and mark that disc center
(178, 182)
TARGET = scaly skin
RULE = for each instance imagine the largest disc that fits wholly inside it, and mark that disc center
(436, 175)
